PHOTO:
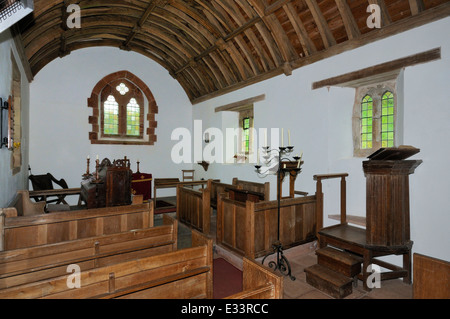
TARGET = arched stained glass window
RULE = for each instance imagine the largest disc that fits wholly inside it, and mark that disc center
(366, 122)
(124, 111)
(111, 116)
(133, 117)
(387, 120)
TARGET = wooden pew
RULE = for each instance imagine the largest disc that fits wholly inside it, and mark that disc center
(250, 229)
(186, 273)
(216, 188)
(22, 205)
(26, 231)
(259, 282)
(262, 188)
(26, 265)
(193, 208)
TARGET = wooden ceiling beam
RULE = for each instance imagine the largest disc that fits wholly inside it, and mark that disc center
(137, 27)
(350, 25)
(385, 17)
(324, 30)
(305, 41)
(416, 6)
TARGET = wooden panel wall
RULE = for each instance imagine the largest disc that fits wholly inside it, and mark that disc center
(431, 278)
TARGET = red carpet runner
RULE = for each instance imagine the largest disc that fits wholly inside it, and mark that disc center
(227, 279)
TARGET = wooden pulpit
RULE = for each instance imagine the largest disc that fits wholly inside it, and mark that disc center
(387, 200)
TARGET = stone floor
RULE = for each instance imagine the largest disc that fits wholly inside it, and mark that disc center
(299, 258)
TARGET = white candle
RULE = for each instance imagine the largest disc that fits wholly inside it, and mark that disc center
(299, 160)
(257, 156)
(97, 157)
(282, 140)
(289, 138)
(88, 157)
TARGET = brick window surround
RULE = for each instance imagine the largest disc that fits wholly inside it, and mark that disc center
(94, 102)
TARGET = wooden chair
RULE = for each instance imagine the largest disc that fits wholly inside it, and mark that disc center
(45, 182)
(188, 175)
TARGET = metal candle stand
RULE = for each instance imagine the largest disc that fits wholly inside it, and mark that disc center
(281, 263)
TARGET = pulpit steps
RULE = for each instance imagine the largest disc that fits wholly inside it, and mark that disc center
(334, 272)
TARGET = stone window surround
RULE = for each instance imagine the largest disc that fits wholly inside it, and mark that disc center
(94, 102)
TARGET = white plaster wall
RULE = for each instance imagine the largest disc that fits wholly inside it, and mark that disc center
(9, 183)
(320, 124)
(59, 125)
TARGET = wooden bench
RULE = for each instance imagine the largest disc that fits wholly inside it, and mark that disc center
(26, 231)
(193, 208)
(26, 265)
(186, 273)
(250, 229)
(21, 205)
(259, 282)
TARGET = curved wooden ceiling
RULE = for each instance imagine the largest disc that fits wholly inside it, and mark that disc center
(216, 46)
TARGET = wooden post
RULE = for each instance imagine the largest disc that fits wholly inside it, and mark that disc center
(2, 230)
(178, 202)
(250, 226)
(206, 222)
(319, 206)
(343, 201)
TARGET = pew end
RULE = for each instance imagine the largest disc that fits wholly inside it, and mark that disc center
(259, 282)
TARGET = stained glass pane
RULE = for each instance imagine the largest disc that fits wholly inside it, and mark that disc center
(246, 135)
(122, 88)
(133, 118)
(387, 120)
(366, 122)
(111, 116)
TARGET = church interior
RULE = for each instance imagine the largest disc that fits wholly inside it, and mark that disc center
(238, 149)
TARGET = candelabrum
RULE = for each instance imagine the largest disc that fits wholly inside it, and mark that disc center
(284, 166)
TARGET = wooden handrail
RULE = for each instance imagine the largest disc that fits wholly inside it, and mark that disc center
(319, 197)
(329, 176)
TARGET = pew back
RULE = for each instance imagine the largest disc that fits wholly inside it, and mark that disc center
(262, 188)
(28, 231)
(185, 273)
(193, 208)
(250, 228)
(20, 266)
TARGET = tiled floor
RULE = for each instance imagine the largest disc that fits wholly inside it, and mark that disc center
(299, 258)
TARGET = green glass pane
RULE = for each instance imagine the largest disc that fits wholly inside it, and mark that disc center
(391, 144)
(384, 144)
